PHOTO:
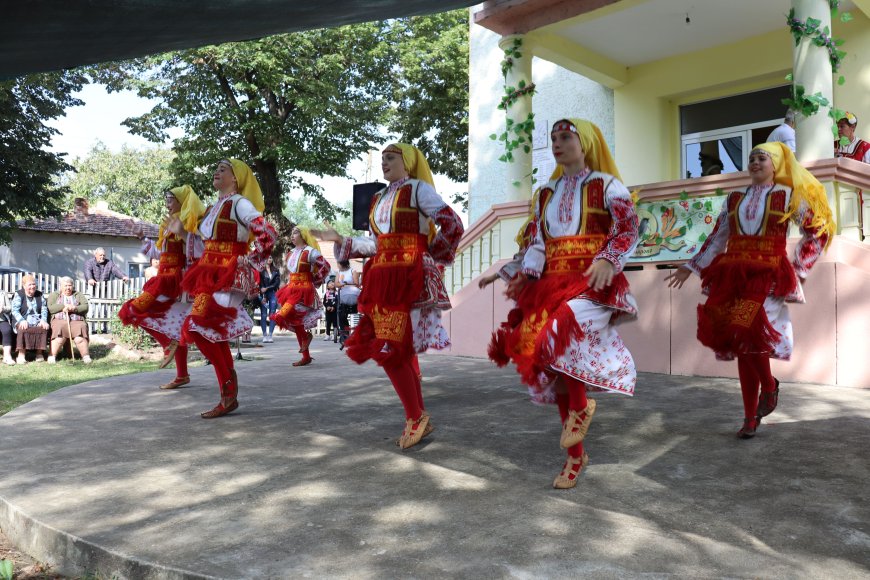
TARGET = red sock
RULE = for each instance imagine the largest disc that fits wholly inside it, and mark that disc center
(181, 361)
(161, 338)
(301, 336)
(562, 403)
(576, 393)
(415, 364)
(213, 351)
(761, 362)
(576, 450)
(749, 383)
(418, 390)
(404, 380)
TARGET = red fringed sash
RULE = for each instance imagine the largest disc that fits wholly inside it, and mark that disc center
(393, 282)
(299, 290)
(167, 283)
(733, 320)
(524, 338)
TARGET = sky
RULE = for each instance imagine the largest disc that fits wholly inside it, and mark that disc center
(100, 118)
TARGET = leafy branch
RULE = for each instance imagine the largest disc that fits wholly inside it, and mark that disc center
(517, 134)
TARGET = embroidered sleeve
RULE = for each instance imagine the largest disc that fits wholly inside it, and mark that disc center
(622, 239)
(264, 240)
(811, 244)
(713, 245)
(443, 246)
(319, 267)
(535, 256)
(194, 247)
(510, 270)
(150, 249)
(355, 247)
(450, 230)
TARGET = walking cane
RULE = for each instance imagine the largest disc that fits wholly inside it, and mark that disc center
(72, 351)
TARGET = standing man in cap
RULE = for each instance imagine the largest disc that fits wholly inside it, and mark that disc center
(857, 149)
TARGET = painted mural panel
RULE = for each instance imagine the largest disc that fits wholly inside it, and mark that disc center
(675, 229)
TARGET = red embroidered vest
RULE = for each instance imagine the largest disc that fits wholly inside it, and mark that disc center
(858, 153)
(774, 210)
(404, 217)
(572, 254)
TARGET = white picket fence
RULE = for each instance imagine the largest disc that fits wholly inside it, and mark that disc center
(104, 298)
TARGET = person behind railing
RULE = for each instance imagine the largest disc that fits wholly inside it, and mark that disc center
(570, 289)
(347, 282)
(68, 309)
(785, 132)
(101, 269)
(226, 273)
(330, 303)
(300, 304)
(30, 311)
(748, 278)
(160, 309)
(270, 280)
(6, 328)
(403, 293)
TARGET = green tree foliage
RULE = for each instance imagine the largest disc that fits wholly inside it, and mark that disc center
(131, 181)
(432, 89)
(308, 102)
(305, 102)
(27, 170)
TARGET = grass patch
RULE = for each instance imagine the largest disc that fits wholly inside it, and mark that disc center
(20, 384)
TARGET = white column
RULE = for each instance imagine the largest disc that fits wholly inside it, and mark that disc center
(519, 182)
(812, 70)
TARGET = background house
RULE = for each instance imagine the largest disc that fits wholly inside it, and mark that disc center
(61, 247)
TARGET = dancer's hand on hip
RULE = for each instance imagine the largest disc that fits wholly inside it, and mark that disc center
(600, 274)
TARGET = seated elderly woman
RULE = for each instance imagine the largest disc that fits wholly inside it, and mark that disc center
(30, 312)
(6, 332)
(68, 309)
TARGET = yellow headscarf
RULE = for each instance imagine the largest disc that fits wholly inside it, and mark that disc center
(307, 237)
(192, 207)
(598, 157)
(415, 163)
(805, 187)
(190, 213)
(247, 183)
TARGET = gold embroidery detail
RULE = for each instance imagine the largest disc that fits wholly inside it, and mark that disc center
(390, 324)
(571, 253)
(200, 304)
(743, 312)
(144, 301)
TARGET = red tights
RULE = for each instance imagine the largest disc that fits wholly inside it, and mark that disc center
(221, 358)
(302, 336)
(407, 385)
(754, 371)
(573, 400)
(180, 352)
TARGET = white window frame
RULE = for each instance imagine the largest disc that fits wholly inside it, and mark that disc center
(743, 131)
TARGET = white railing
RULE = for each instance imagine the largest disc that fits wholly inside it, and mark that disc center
(491, 238)
(104, 298)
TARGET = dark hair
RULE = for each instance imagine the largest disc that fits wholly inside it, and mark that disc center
(344, 264)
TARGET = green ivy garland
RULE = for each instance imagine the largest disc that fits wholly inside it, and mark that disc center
(800, 102)
(517, 134)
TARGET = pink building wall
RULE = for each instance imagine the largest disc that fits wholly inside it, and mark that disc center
(831, 345)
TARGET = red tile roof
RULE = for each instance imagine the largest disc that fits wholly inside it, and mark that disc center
(93, 221)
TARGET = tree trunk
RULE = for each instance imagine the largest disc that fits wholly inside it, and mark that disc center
(267, 172)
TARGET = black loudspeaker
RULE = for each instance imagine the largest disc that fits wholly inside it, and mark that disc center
(362, 203)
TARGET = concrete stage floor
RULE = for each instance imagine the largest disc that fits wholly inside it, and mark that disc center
(120, 479)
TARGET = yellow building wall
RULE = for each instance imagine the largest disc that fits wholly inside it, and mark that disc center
(646, 108)
(854, 96)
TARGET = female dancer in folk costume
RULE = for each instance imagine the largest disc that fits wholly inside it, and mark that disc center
(570, 290)
(403, 293)
(300, 305)
(160, 309)
(227, 273)
(748, 278)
